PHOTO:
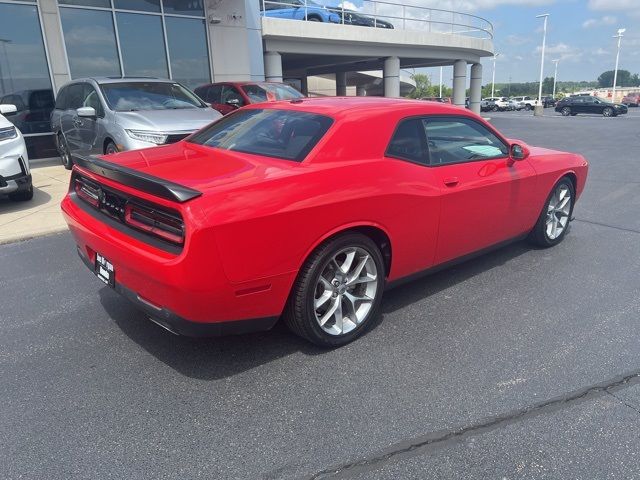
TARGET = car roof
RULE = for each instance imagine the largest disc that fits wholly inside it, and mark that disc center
(348, 106)
(244, 82)
(101, 80)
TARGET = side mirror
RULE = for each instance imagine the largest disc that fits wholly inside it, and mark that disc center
(518, 152)
(8, 108)
(86, 112)
(234, 102)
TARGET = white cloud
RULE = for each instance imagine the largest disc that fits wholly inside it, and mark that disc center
(516, 40)
(629, 7)
(595, 22)
(601, 51)
(561, 51)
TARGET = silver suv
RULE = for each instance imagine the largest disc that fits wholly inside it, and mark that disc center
(95, 116)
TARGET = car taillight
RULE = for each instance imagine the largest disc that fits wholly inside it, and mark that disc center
(165, 225)
(88, 191)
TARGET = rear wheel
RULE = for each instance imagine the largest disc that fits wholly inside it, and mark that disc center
(566, 111)
(110, 148)
(553, 223)
(63, 151)
(337, 294)
(527, 107)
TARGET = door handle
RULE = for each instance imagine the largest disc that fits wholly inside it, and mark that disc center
(451, 181)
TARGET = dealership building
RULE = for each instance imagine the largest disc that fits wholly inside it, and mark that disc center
(46, 43)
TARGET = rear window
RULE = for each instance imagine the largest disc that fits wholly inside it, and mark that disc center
(285, 134)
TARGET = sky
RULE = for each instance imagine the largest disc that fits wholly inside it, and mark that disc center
(579, 34)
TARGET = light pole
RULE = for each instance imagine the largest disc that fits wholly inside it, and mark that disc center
(555, 77)
(493, 79)
(539, 110)
(615, 72)
(440, 82)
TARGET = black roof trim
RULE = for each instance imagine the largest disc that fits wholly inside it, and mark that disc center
(136, 179)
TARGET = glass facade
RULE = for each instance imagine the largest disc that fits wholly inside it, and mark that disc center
(146, 38)
(150, 38)
(24, 73)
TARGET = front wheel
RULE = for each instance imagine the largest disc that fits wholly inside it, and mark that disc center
(527, 107)
(64, 152)
(110, 148)
(338, 291)
(553, 223)
(607, 112)
(566, 111)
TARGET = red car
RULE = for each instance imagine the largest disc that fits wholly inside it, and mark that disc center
(631, 100)
(229, 96)
(308, 209)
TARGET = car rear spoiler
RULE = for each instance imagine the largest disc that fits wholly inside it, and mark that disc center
(133, 178)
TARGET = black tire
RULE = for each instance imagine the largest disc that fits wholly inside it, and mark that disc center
(110, 148)
(538, 235)
(494, 108)
(300, 315)
(65, 153)
(608, 112)
(23, 196)
(314, 19)
(527, 107)
(565, 111)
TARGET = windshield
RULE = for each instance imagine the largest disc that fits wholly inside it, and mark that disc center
(269, 92)
(285, 134)
(133, 96)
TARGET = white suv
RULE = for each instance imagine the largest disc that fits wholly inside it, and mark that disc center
(529, 102)
(15, 175)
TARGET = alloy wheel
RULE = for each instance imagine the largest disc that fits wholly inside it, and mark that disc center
(63, 151)
(345, 291)
(558, 211)
(607, 112)
(566, 111)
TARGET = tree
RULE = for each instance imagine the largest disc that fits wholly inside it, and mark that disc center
(547, 85)
(422, 86)
(605, 80)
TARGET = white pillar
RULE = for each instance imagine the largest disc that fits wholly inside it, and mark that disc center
(341, 84)
(476, 88)
(391, 74)
(272, 67)
(459, 82)
(361, 91)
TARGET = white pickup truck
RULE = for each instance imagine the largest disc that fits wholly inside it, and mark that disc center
(529, 102)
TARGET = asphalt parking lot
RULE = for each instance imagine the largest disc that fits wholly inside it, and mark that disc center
(522, 363)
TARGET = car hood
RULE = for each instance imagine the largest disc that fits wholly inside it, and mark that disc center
(177, 120)
(203, 168)
(4, 123)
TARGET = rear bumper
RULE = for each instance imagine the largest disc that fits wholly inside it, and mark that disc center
(181, 326)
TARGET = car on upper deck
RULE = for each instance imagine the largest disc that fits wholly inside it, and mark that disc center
(308, 209)
(298, 10)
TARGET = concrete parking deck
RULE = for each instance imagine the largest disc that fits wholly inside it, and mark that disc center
(41, 215)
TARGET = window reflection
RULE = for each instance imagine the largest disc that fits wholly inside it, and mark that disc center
(91, 43)
(142, 5)
(188, 50)
(24, 76)
(87, 3)
(142, 45)
(184, 7)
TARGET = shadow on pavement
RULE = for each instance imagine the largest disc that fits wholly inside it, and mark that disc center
(7, 205)
(221, 357)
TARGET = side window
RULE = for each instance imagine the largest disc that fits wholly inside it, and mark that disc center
(91, 99)
(408, 142)
(456, 140)
(75, 96)
(214, 94)
(61, 99)
(230, 93)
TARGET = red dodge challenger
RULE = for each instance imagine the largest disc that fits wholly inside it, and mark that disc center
(308, 209)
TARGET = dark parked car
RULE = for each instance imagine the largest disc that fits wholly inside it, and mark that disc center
(298, 10)
(33, 109)
(631, 100)
(548, 101)
(588, 104)
(226, 97)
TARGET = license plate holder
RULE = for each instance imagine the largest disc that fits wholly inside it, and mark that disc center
(105, 271)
